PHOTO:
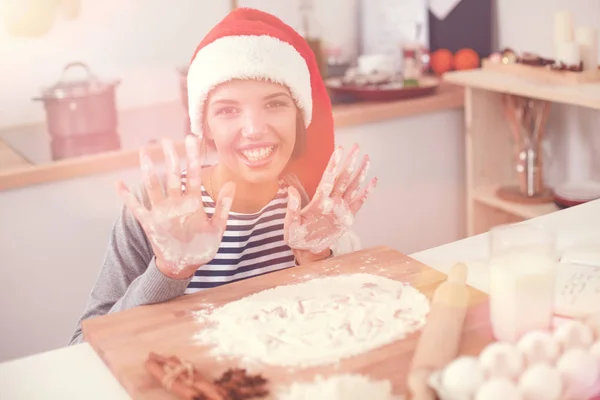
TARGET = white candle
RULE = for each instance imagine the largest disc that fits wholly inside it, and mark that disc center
(568, 53)
(587, 39)
(563, 27)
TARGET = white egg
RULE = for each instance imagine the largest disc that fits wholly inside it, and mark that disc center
(593, 322)
(539, 347)
(541, 382)
(502, 359)
(595, 350)
(498, 389)
(579, 371)
(574, 334)
(462, 377)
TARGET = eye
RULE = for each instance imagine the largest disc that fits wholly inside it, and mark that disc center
(226, 111)
(277, 104)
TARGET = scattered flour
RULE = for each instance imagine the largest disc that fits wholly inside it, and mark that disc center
(339, 387)
(316, 322)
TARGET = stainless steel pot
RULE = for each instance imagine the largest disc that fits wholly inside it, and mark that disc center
(80, 107)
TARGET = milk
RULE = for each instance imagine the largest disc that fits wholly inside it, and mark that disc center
(522, 282)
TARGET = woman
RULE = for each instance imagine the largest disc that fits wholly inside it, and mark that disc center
(282, 197)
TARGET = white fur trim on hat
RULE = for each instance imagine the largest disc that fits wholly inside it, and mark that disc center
(247, 57)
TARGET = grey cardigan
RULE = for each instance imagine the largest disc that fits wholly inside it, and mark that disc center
(129, 276)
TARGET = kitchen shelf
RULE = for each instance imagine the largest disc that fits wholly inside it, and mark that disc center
(584, 95)
(489, 150)
(487, 195)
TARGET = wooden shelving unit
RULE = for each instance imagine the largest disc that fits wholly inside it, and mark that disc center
(488, 141)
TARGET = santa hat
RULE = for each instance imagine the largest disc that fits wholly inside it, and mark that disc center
(251, 44)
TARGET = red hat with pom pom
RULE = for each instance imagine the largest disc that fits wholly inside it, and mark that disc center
(251, 44)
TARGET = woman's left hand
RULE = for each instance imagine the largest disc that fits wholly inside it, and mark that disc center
(331, 212)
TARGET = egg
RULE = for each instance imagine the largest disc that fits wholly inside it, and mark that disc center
(593, 322)
(579, 371)
(539, 347)
(595, 350)
(462, 377)
(498, 389)
(574, 334)
(541, 382)
(502, 359)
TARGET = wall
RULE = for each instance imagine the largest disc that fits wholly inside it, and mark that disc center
(140, 42)
(573, 132)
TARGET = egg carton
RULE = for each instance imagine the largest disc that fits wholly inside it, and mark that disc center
(560, 365)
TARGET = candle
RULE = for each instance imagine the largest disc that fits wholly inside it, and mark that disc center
(563, 27)
(587, 39)
(568, 53)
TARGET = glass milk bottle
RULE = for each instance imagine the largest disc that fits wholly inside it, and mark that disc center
(522, 272)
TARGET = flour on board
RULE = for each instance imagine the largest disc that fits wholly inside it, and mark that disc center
(338, 387)
(316, 322)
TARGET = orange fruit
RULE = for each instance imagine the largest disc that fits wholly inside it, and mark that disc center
(441, 61)
(466, 59)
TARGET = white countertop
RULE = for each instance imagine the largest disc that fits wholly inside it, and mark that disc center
(78, 373)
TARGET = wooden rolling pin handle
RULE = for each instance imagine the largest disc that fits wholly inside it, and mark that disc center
(440, 339)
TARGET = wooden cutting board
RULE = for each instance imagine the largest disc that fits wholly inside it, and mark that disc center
(123, 340)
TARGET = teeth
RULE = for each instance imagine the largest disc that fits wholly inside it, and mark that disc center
(258, 153)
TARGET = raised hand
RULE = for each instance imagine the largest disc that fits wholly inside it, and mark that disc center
(331, 212)
(182, 236)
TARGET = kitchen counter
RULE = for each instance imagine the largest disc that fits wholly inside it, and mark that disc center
(140, 127)
(77, 372)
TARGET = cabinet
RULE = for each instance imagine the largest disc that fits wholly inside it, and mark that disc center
(489, 147)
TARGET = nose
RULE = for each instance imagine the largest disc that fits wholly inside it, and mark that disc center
(254, 125)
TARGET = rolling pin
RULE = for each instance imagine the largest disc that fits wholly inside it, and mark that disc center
(440, 338)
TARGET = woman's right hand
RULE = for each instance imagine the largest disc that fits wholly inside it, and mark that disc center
(182, 236)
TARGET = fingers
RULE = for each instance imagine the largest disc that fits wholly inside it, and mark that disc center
(132, 204)
(358, 179)
(224, 202)
(347, 172)
(173, 168)
(150, 180)
(360, 199)
(194, 167)
(328, 180)
(292, 213)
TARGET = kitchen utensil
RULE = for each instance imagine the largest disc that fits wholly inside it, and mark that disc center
(124, 340)
(440, 339)
(427, 86)
(80, 107)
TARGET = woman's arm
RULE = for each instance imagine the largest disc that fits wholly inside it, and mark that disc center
(129, 276)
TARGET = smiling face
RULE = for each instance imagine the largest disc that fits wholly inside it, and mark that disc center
(253, 125)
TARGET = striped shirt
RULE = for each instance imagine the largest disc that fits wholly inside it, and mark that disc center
(252, 244)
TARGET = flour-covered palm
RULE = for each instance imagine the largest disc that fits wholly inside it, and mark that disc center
(331, 212)
(181, 234)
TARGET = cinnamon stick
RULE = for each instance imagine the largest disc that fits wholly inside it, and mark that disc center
(182, 391)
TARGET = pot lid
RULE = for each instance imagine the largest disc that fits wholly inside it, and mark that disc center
(69, 86)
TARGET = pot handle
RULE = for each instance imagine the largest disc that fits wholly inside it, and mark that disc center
(77, 64)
